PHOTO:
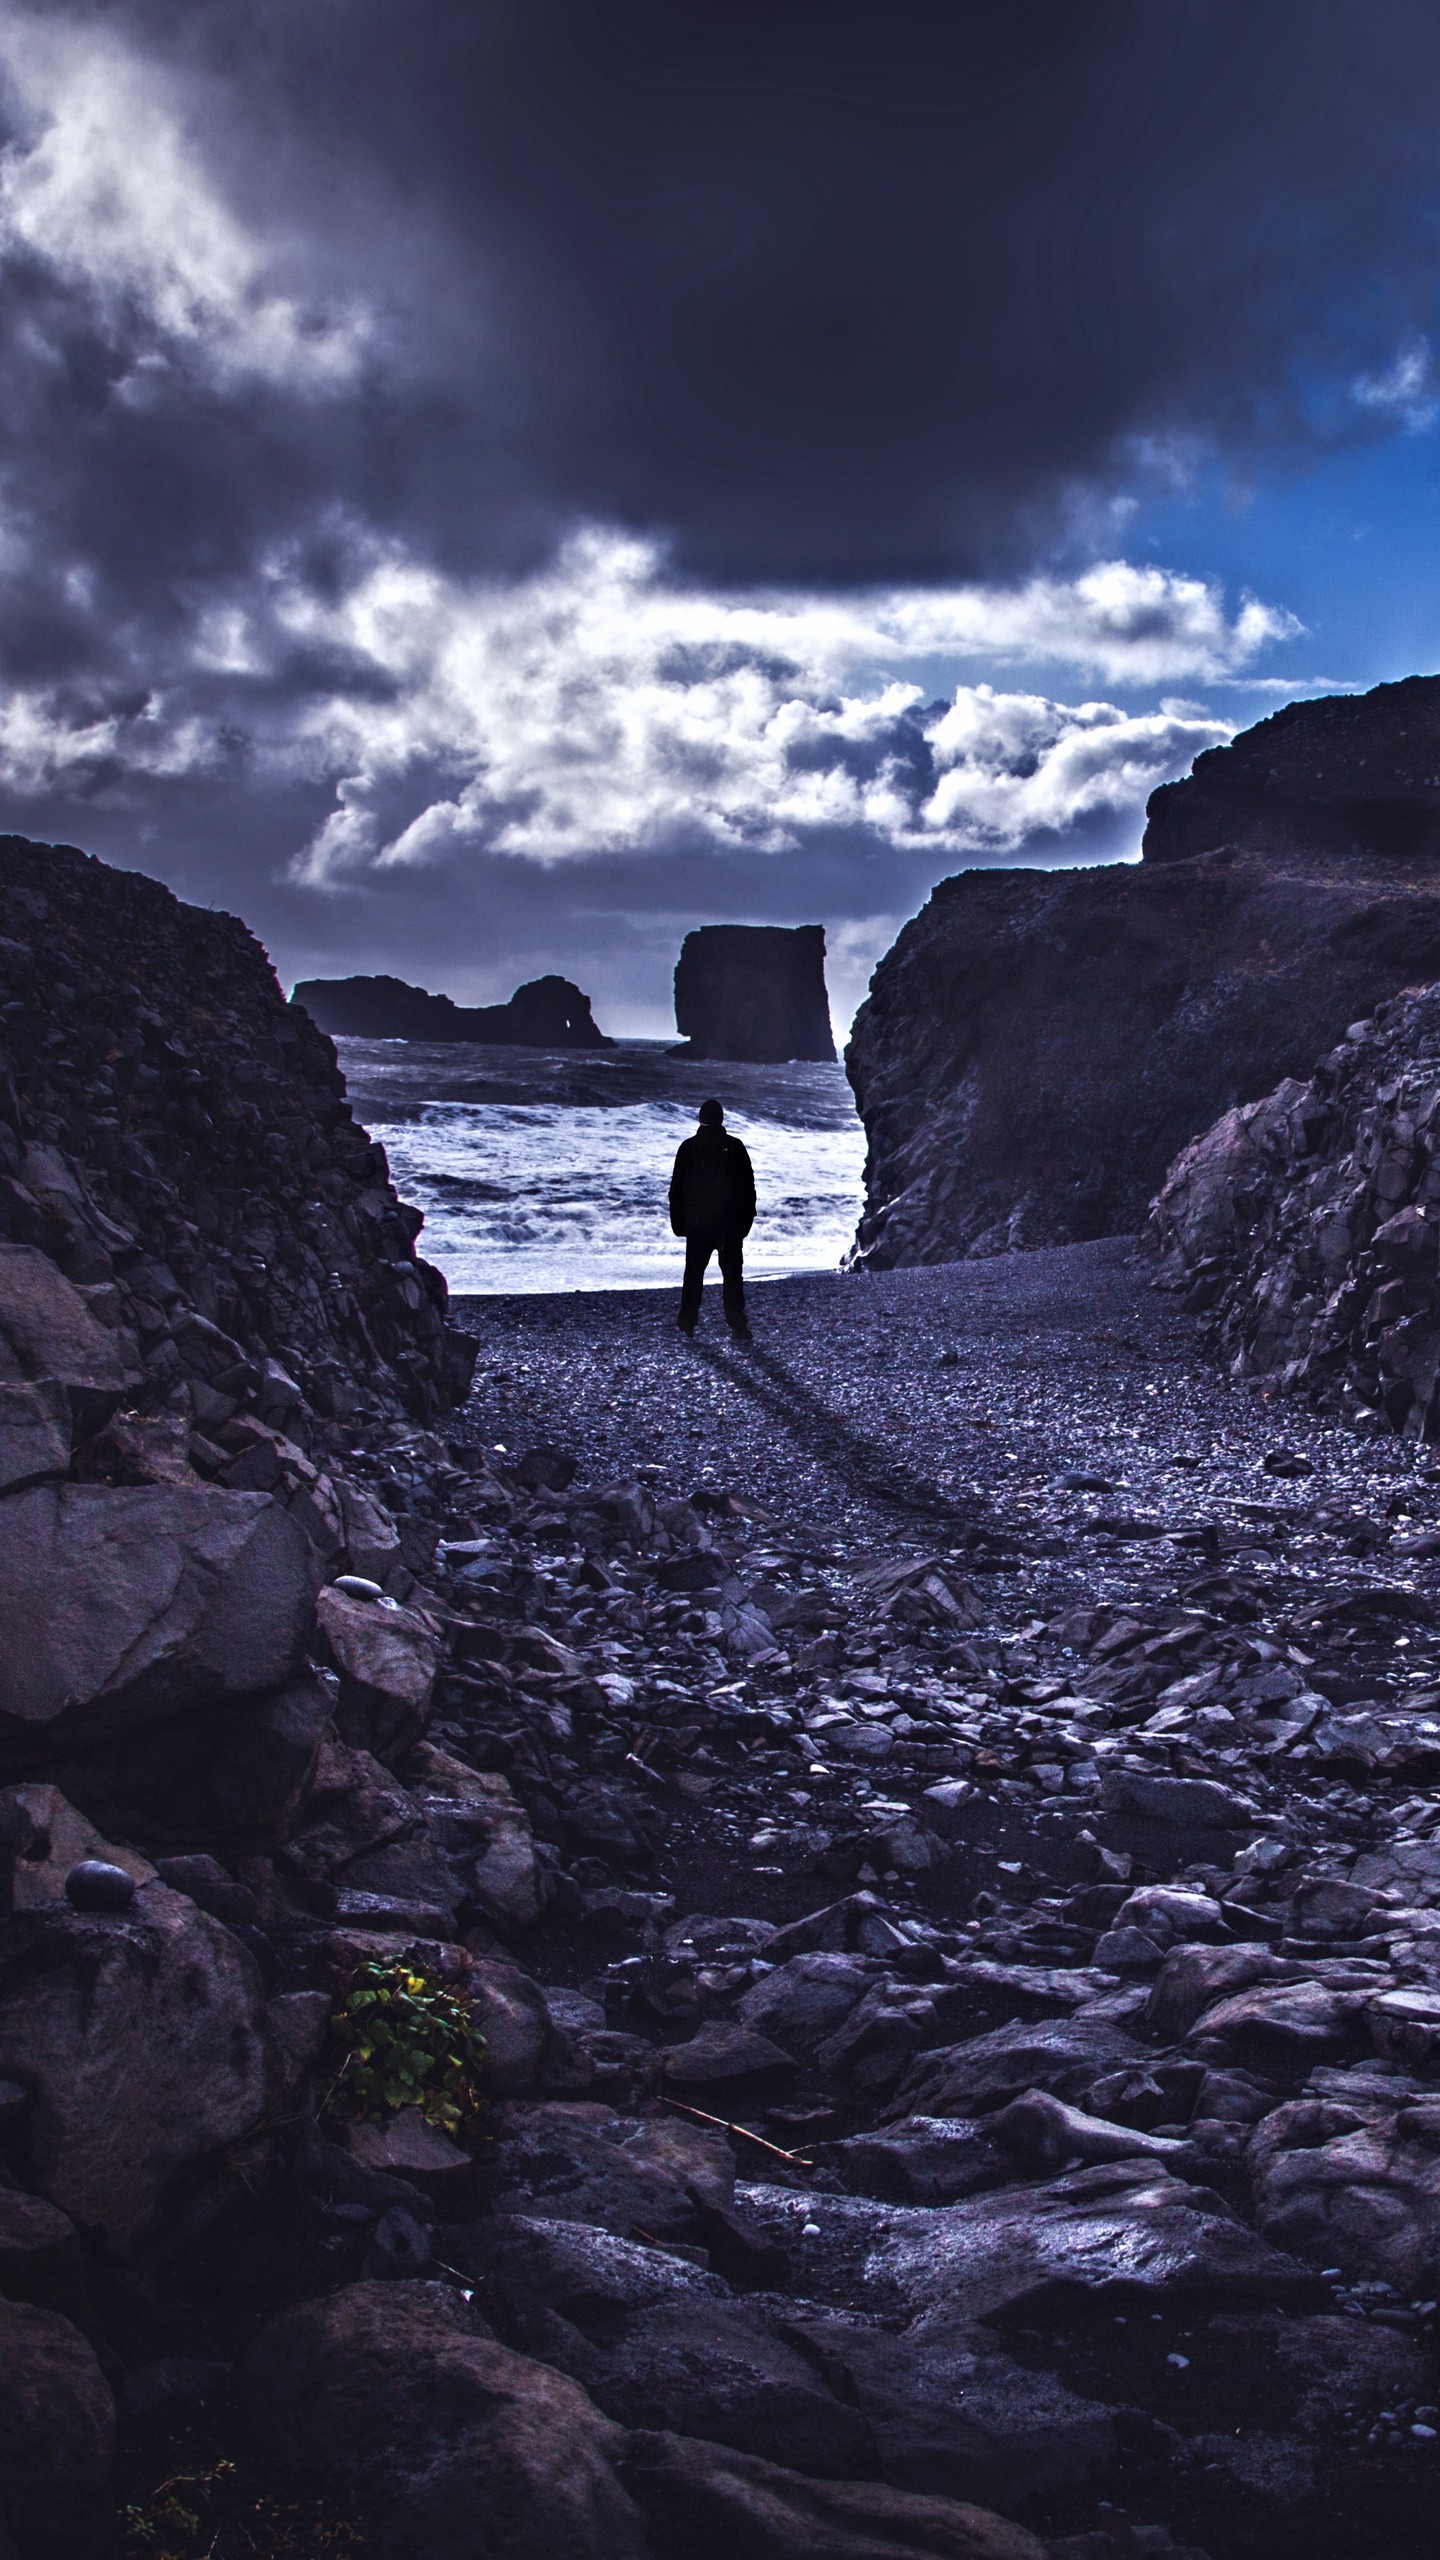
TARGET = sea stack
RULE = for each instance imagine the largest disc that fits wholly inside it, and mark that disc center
(546, 1013)
(754, 992)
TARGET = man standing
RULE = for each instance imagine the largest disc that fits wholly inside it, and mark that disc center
(712, 1205)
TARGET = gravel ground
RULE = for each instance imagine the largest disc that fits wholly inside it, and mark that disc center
(886, 1405)
(1075, 1669)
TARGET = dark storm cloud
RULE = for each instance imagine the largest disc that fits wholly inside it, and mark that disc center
(816, 290)
(328, 330)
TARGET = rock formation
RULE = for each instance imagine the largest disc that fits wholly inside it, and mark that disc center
(1037, 1046)
(753, 991)
(178, 1161)
(546, 1013)
(1351, 774)
(1308, 1225)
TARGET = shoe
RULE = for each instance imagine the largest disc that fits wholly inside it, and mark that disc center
(683, 1327)
(741, 1333)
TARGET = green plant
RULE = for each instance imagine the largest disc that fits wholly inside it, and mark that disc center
(400, 2038)
(219, 2515)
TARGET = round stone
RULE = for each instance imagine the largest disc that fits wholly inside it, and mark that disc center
(96, 1885)
(358, 1586)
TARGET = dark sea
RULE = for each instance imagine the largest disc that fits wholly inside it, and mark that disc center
(540, 1169)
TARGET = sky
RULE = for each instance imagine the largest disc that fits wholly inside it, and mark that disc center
(486, 485)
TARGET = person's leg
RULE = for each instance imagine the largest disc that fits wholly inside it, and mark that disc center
(732, 1274)
(697, 1254)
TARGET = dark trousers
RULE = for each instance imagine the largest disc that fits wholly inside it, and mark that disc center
(731, 1251)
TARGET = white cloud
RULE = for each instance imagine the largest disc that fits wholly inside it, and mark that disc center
(106, 189)
(1014, 764)
(600, 708)
(1407, 389)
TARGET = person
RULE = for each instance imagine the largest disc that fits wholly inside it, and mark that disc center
(712, 1205)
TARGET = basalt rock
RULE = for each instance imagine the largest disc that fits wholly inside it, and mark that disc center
(125, 1605)
(463, 2449)
(1307, 1225)
(546, 1013)
(754, 991)
(1037, 1047)
(175, 1141)
(1351, 774)
(140, 2041)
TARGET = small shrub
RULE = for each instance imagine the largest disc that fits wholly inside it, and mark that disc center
(401, 2039)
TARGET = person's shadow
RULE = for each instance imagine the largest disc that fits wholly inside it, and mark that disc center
(826, 1435)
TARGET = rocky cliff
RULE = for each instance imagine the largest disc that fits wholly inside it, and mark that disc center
(1355, 774)
(1307, 1225)
(176, 1138)
(546, 1013)
(754, 991)
(1037, 1046)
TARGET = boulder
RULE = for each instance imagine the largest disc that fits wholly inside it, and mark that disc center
(1123, 2227)
(35, 1432)
(725, 2056)
(805, 1999)
(201, 1188)
(1199, 1804)
(1286, 2025)
(57, 2439)
(753, 991)
(1359, 2190)
(141, 2040)
(406, 2146)
(509, 2010)
(715, 2369)
(124, 1604)
(49, 1838)
(47, 1332)
(40, 2256)
(987, 2071)
(460, 2449)
(1194, 1976)
(920, 2160)
(476, 1821)
(532, 2273)
(387, 1659)
(715, 2504)
(950, 2414)
(583, 2163)
(234, 1776)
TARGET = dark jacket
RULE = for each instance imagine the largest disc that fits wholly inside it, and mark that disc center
(712, 1189)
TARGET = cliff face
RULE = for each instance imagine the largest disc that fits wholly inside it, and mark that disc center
(1308, 1225)
(546, 1013)
(754, 991)
(176, 1138)
(1038, 1046)
(1351, 774)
